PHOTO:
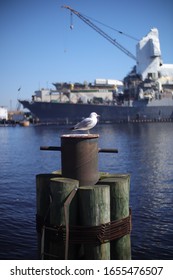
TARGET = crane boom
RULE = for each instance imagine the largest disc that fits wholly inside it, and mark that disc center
(101, 32)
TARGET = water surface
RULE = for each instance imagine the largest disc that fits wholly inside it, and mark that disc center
(145, 151)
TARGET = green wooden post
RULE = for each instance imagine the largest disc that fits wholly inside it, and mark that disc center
(43, 194)
(119, 201)
(42, 203)
(94, 205)
(60, 189)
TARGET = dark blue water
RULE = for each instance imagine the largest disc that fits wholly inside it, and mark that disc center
(145, 151)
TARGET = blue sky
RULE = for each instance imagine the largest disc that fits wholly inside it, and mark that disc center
(38, 47)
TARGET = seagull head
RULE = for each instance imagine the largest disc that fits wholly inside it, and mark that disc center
(94, 115)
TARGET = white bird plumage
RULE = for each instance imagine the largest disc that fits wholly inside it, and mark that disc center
(88, 123)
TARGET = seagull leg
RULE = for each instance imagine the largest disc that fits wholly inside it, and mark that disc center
(88, 132)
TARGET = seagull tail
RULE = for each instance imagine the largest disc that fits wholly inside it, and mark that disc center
(73, 128)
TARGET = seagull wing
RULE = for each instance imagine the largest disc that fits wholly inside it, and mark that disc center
(84, 124)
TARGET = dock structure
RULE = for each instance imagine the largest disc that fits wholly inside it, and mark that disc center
(81, 212)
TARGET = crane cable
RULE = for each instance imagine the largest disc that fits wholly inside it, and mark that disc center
(101, 32)
(71, 20)
(118, 31)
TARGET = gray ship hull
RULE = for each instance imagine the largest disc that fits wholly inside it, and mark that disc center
(70, 113)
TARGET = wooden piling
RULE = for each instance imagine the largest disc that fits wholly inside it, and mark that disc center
(60, 189)
(119, 201)
(94, 205)
(43, 195)
(42, 205)
(102, 224)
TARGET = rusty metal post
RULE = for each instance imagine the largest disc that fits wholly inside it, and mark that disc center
(79, 157)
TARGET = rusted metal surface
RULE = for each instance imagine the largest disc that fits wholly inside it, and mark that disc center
(79, 158)
(100, 150)
(50, 148)
(55, 148)
(93, 234)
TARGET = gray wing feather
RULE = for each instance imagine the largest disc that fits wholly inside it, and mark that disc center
(85, 123)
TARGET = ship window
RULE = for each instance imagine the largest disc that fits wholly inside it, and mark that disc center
(152, 76)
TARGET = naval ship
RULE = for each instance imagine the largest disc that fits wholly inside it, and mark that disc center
(145, 94)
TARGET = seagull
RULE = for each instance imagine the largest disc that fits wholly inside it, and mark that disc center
(88, 123)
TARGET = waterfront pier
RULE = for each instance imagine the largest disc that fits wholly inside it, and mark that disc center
(81, 212)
